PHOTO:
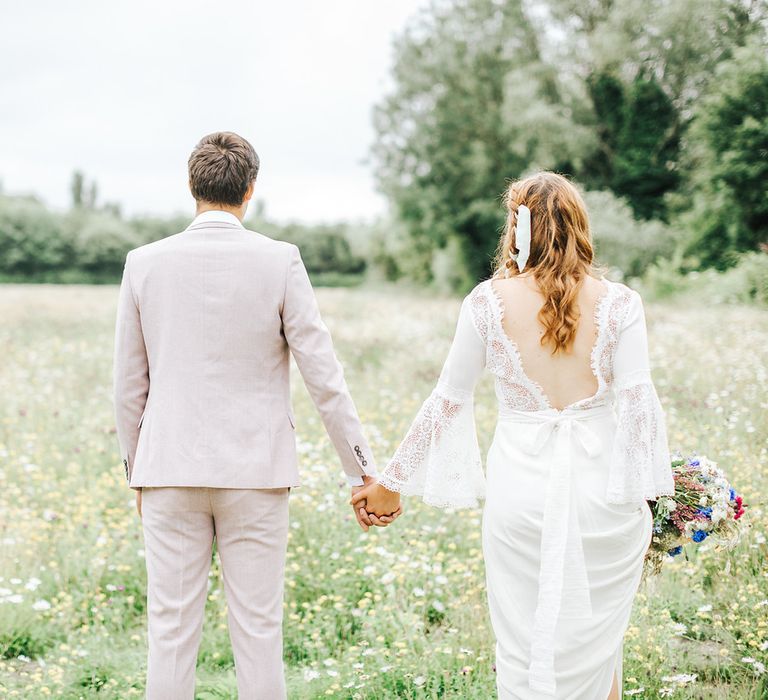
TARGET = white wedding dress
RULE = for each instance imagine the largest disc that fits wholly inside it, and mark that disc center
(565, 522)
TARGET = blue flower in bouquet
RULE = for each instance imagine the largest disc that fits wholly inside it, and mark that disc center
(694, 462)
(699, 536)
(706, 512)
(675, 551)
(732, 494)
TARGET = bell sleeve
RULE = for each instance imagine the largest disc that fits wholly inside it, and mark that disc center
(439, 459)
(640, 466)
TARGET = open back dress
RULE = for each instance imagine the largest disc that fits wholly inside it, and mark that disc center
(566, 523)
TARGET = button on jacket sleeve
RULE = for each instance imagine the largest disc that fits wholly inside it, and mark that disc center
(310, 342)
(131, 372)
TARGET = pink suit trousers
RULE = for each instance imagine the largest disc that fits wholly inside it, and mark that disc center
(250, 527)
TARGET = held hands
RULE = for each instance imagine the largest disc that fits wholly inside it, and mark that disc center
(374, 504)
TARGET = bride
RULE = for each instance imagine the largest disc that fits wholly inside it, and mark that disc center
(580, 446)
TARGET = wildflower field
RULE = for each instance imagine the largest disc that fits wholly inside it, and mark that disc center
(394, 613)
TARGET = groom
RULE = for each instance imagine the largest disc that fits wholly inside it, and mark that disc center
(206, 319)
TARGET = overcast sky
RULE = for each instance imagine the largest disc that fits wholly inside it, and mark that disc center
(122, 90)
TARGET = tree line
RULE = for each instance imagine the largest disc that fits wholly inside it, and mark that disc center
(89, 241)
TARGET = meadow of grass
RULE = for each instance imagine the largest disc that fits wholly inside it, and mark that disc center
(394, 613)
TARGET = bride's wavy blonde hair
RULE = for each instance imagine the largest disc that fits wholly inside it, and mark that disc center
(561, 250)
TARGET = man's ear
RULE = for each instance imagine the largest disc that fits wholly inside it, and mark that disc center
(249, 191)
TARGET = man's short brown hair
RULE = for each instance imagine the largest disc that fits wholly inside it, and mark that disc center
(221, 167)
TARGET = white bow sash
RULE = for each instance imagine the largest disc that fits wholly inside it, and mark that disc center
(563, 584)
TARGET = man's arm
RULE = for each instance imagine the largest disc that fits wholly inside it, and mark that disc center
(311, 345)
(130, 372)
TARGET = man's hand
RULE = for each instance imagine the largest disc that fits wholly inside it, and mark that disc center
(377, 505)
(138, 501)
(367, 481)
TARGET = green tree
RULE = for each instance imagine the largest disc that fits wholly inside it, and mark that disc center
(444, 146)
(645, 67)
(678, 42)
(637, 143)
(77, 188)
(730, 212)
(90, 200)
(647, 149)
(83, 196)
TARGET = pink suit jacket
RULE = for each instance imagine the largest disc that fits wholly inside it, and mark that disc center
(206, 319)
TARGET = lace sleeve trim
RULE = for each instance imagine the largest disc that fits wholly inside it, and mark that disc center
(641, 464)
(439, 459)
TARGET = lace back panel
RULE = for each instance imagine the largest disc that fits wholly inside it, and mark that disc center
(514, 388)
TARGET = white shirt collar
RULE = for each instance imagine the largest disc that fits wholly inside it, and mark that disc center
(216, 215)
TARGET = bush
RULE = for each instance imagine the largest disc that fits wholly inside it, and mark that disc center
(397, 255)
(153, 228)
(323, 248)
(101, 241)
(32, 239)
(621, 241)
(450, 271)
(746, 282)
(664, 279)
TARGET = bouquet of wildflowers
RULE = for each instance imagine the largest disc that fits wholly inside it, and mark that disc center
(704, 505)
